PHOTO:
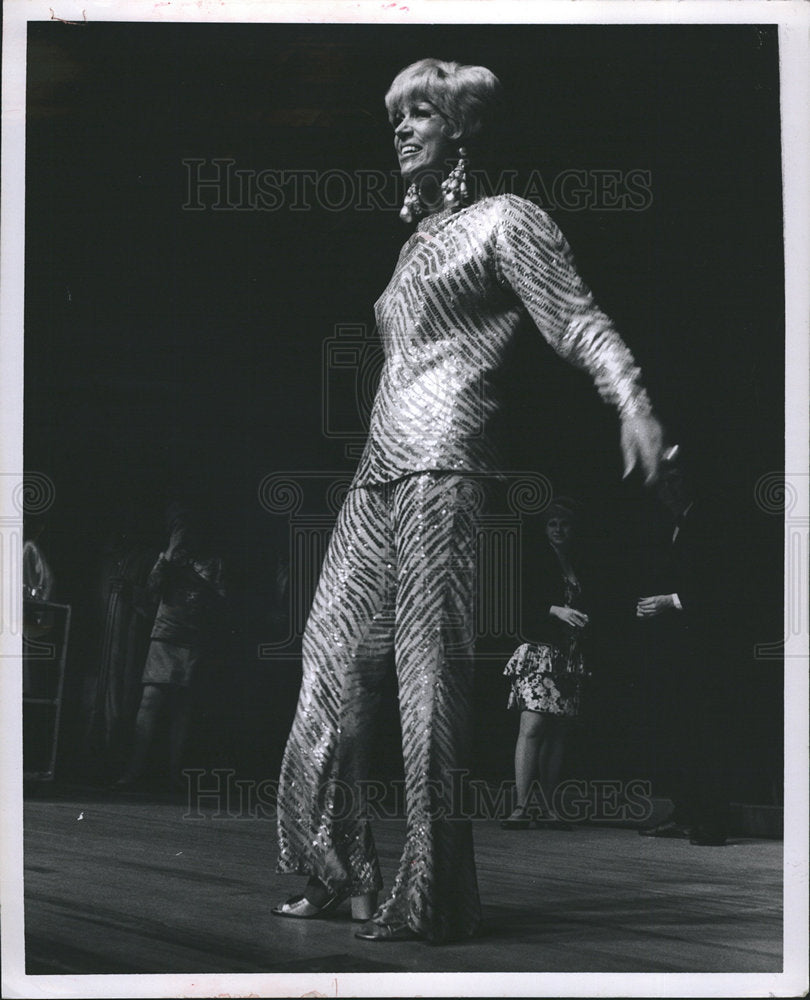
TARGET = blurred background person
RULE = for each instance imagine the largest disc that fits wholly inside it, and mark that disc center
(124, 617)
(38, 579)
(38, 585)
(188, 581)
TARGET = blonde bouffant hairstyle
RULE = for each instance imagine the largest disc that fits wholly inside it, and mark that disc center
(467, 97)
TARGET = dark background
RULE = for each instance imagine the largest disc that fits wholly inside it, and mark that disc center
(173, 351)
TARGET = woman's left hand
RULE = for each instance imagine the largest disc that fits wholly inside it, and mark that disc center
(642, 442)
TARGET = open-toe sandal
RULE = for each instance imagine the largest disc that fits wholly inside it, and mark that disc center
(300, 908)
(373, 931)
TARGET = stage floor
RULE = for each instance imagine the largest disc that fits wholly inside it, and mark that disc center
(137, 885)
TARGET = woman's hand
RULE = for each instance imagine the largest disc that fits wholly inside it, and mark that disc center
(642, 442)
(569, 616)
(649, 607)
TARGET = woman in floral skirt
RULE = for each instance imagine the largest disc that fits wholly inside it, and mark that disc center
(547, 672)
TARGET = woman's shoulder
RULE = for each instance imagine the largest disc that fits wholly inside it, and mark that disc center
(515, 217)
(513, 206)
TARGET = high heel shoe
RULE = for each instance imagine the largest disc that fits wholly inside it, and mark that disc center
(301, 908)
(363, 907)
(373, 931)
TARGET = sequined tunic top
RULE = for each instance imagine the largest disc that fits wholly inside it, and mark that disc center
(462, 287)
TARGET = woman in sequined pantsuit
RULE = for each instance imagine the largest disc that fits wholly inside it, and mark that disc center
(399, 573)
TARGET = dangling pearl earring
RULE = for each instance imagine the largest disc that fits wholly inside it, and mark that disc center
(412, 208)
(455, 186)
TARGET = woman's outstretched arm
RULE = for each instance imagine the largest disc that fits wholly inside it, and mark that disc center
(535, 260)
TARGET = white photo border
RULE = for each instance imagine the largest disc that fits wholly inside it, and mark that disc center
(793, 20)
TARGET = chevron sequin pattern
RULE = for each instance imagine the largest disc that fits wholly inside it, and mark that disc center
(399, 572)
(398, 576)
(464, 283)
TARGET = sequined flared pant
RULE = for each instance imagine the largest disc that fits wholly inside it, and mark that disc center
(399, 575)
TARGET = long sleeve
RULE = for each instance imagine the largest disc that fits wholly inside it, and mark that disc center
(542, 587)
(703, 580)
(535, 261)
(448, 318)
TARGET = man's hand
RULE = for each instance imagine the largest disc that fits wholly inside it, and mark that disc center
(642, 442)
(649, 607)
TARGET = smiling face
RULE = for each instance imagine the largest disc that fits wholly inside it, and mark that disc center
(421, 141)
(559, 530)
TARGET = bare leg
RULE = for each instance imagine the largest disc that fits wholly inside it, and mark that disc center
(552, 755)
(179, 730)
(152, 702)
(528, 747)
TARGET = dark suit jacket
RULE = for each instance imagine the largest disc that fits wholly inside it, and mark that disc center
(700, 576)
(692, 644)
